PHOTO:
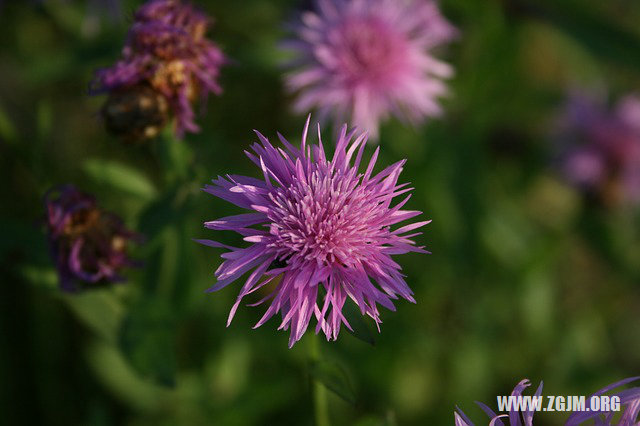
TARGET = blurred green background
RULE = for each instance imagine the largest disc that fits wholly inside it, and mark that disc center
(526, 279)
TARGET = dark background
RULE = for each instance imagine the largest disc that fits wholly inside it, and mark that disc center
(527, 278)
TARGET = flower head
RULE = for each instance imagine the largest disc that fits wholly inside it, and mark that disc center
(368, 59)
(516, 418)
(629, 399)
(603, 153)
(167, 50)
(325, 230)
(88, 244)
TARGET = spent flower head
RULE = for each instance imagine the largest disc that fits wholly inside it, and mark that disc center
(87, 244)
(168, 51)
(323, 228)
(368, 59)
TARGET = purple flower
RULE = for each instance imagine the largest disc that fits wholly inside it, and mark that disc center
(325, 232)
(367, 59)
(87, 244)
(167, 50)
(629, 398)
(603, 153)
(516, 418)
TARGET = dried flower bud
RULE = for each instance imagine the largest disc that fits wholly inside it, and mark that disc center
(87, 244)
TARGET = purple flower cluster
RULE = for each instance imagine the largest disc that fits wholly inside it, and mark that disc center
(325, 232)
(88, 244)
(167, 50)
(629, 399)
(367, 59)
(603, 156)
(516, 418)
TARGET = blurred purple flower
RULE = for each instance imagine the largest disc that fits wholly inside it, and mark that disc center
(516, 418)
(629, 398)
(603, 154)
(367, 59)
(87, 244)
(325, 230)
(167, 50)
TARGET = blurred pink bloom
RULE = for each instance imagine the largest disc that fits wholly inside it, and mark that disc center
(603, 148)
(367, 59)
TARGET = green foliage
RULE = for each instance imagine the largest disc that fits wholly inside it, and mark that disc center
(147, 339)
(119, 177)
(335, 378)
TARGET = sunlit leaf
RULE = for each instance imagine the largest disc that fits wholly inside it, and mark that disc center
(99, 310)
(119, 176)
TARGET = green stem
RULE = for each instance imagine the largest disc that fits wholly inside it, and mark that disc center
(320, 402)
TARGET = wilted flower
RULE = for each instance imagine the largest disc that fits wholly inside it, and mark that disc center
(603, 153)
(516, 418)
(629, 399)
(88, 244)
(325, 231)
(167, 50)
(368, 59)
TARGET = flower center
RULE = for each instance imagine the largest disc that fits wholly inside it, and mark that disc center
(369, 51)
(324, 220)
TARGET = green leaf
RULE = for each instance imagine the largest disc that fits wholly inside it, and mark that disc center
(116, 375)
(361, 325)
(605, 39)
(175, 155)
(7, 129)
(147, 339)
(44, 119)
(41, 276)
(119, 176)
(334, 378)
(99, 310)
(167, 210)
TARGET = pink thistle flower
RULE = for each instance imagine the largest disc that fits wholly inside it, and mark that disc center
(325, 231)
(367, 59)
(167, 50)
